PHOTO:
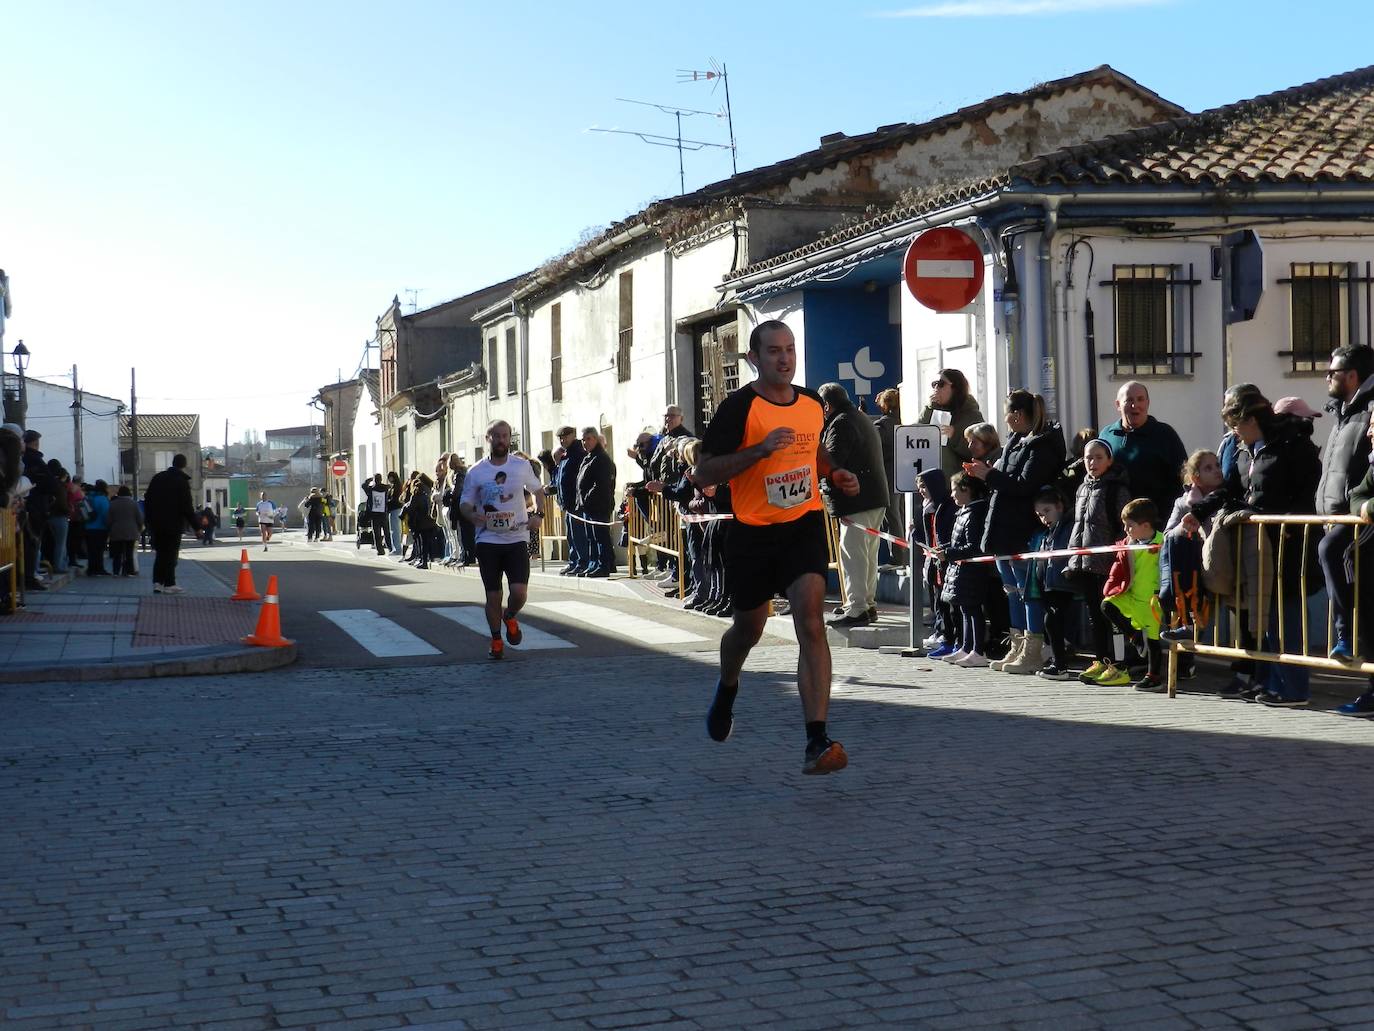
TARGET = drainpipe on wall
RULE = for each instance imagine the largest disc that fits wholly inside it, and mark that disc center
(522, 313)
(1047, 374)
(669, 331)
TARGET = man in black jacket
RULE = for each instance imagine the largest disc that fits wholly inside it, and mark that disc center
(168, 510)
(853, 443)
(565, 489)
(1345, 460)
(595, 499)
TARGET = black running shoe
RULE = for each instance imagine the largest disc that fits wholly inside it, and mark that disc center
(824, 756)
(720, 718)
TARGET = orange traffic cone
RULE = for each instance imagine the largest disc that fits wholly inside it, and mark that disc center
(245, 590)
(268, 633)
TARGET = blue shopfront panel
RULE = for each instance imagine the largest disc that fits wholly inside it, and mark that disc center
(850, 340)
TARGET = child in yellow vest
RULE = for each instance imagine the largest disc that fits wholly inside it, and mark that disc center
(1131, 600)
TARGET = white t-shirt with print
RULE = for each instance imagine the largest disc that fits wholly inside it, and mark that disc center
(267, 511)
(498, 491)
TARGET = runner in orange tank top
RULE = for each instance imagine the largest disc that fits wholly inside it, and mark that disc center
(765, 439)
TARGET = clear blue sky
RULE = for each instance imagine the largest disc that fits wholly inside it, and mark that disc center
(227, 195)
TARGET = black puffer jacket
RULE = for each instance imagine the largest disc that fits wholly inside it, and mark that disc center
(853, 443)
(1030, 462)
(1283, 481)
(1097, 519)
(1345, 458)
(967, 584)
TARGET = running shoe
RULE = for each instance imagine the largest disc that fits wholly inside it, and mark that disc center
(955, 657)
(1341, 652)
(1053, 672)
(1150, 685)
(513, 634)
(1278, 701)
(941, 652)
(1090, 675)
(1361, 706)
(498, 650)
(1178, 633)
(720, 718)
(824, 756)
(1113, 676)
(971, 660)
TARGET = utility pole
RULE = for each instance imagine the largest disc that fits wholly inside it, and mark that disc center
(78, 451)
(226, 448)
(133, 424)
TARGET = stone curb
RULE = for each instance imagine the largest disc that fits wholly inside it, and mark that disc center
(237, 659)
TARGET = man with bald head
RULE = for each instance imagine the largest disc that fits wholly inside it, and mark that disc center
(1150, 450)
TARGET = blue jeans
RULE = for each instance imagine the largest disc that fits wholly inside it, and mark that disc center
(602, 551)
(576, 532)
(1023, 613)
(57, 526)
(1292, 682)
(393, 519)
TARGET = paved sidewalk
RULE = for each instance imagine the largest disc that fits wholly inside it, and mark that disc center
(113, 627)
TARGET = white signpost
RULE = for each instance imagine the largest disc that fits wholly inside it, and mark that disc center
(917, 449)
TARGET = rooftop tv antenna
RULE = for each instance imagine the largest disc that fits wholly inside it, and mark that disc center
(715, 75)
(413, 297)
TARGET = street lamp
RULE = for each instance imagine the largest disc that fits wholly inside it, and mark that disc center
(17, 404)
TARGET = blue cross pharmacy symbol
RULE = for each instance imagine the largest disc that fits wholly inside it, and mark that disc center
(862, 371)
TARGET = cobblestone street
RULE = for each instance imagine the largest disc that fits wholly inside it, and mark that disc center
(462, 847)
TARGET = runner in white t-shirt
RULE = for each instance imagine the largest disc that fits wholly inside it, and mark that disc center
(267, 517)
(494, 499)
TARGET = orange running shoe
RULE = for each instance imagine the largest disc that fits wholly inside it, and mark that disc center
(824, 756)
(513, 634)
(498, 650)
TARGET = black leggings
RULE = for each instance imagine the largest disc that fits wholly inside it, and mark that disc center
(1094, 587)
(975, 629)
(1058, 610)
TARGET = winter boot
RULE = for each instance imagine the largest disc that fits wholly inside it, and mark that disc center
(1029, 658)
(1018, 642)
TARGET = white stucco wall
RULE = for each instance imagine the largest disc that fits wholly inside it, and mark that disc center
(50, 413)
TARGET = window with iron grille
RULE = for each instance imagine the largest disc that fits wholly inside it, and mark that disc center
(1152, 309)
(627, 318)
(556, 351)
(493, 378)
(512, 365)
(1319, 319)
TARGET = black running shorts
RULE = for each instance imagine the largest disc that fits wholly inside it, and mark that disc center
(497, 560)
(766, 560)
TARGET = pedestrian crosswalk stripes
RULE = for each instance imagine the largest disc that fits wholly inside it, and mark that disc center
(472, 617)
(637, 628)
(385, 637)
(379, 635)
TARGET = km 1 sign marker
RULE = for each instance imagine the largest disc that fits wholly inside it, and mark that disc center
(943, 269)
(918, 449)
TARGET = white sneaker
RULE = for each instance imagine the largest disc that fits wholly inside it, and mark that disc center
(174, 589)
(157, 588)
(954, 658)
(972, 660)
(932, 642)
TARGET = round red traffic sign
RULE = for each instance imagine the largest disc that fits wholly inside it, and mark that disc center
(339, 468)
(944, 268)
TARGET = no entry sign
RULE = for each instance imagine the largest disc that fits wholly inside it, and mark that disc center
(944, 269)
(339, 468)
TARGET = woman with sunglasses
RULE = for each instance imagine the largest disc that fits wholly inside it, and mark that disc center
(949, 393)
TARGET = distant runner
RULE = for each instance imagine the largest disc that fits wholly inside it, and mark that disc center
(267, 517)
(494, 501)
(766, 440)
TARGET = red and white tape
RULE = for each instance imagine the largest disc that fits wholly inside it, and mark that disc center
(709, 518)
(590, 522)
(1025, 556)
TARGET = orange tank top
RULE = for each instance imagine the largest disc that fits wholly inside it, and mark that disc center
(783, 486)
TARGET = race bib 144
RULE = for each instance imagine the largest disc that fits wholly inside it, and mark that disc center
(789, 489)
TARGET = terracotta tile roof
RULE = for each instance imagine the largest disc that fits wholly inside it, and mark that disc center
(160, 427)
(1319, 132)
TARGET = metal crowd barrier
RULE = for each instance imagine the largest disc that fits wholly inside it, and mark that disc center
(661, 532)
(664, 532)
(1268, 591)
(11, 557)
